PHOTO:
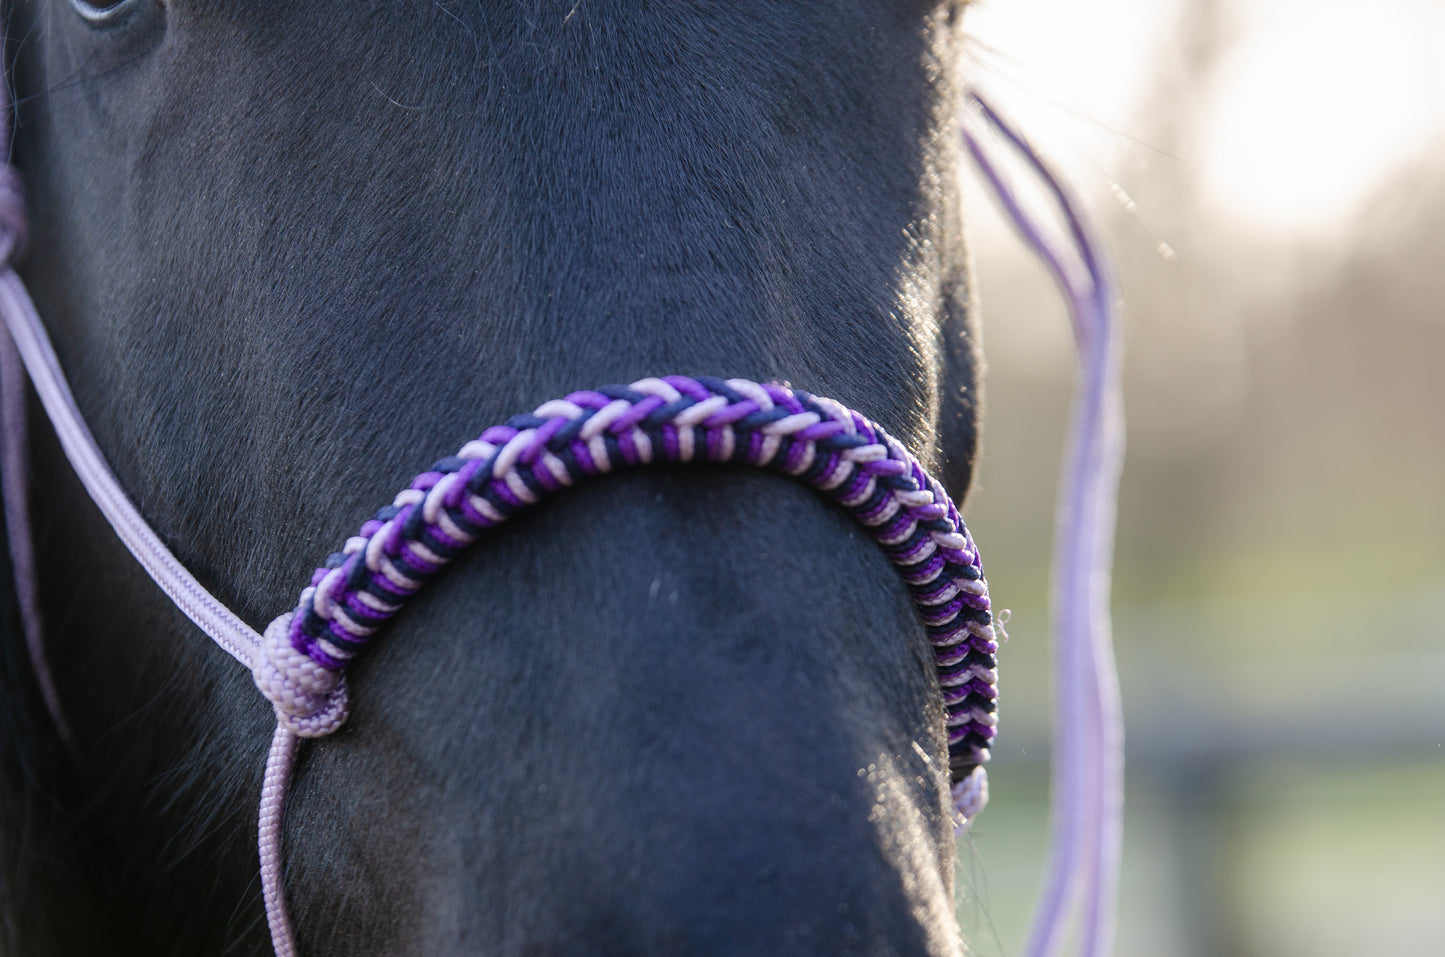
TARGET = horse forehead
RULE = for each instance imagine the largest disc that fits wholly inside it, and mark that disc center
(595, 142)
(606, 191)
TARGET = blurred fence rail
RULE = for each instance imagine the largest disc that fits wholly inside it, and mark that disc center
(1279, 805)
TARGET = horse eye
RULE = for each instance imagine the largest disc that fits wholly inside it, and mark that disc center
(103, 11)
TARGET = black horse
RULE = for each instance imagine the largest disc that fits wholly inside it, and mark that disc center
(291, 251)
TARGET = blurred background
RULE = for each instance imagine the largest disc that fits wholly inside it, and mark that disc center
(1266, 174)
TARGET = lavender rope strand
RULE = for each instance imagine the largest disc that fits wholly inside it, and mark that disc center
(274, 784)
(1087, 812)
(212, 617)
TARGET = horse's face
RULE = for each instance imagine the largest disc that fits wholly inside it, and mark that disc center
(292, 252)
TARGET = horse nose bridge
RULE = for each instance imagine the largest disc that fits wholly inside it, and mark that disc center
(713, 859)
(665, 688)
(788, 879)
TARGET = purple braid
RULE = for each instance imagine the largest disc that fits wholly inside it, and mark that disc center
(674, 419)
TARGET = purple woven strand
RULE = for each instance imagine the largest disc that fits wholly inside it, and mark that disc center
(673, 419)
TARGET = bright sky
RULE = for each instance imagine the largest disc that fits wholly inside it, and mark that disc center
(1314, 105)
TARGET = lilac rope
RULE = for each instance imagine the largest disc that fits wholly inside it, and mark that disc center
(271, 818)
(1087, 802)
(29, 337)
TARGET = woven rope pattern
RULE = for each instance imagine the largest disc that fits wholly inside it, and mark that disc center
(668, 420)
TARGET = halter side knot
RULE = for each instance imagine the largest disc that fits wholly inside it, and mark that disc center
(14, 226)
(310, 700)
(970, 796)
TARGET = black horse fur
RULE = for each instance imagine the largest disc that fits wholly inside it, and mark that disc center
(292, 251)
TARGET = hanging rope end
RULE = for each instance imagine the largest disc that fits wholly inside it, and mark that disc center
(970, 796)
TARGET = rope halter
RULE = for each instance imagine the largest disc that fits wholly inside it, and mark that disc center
(300, 659)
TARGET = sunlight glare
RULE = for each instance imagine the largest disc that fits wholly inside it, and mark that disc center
(1317, 105)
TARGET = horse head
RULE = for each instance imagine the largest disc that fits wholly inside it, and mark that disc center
(292, 252)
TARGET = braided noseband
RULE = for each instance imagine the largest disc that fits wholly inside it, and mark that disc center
(655, 421)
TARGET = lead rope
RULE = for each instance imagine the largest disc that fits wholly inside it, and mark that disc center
(298, 662)
(1086, 813)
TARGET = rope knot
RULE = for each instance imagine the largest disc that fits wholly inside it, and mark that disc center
(310, 700)
(14, 227)
(969, 798)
